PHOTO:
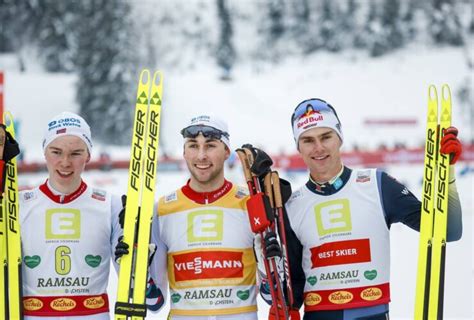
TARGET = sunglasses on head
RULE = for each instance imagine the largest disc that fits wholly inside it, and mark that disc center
(207, 132)
(312, 106)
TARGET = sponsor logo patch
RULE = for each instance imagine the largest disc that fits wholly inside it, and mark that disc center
(93, 261)
(175, 297)
(341, 252)
(241, 193)
(243, 294)
(363, 176)
(32, 261)
(171, 197)
(30, 195)
(63, 223)
(333, 216)
(32, 304)
(371, 294)
(98, 194)
(205, 225)
(94, 302)
(341, 297)
(63, 304)
(208, 265)
(312, 299)
(370, 274)
(312, 280)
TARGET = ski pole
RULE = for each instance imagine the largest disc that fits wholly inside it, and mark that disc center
(261, 218)
(282, 234)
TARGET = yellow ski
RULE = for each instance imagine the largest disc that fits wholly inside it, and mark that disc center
(433, 224)
(140, 198)
(3, 239)
(438, 261)
(148, 191)
(10, 212)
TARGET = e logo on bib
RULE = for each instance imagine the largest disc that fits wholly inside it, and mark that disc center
(63, 224)
(205, 225)
(333, 216)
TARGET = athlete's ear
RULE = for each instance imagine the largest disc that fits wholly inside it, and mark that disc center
(88, 156)
(227, 153)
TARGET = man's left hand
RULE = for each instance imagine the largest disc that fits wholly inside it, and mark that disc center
(451, 145)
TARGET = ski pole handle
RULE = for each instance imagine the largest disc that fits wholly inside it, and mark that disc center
(250, 160)
(245, 164)
(267, 186)
(277, 190)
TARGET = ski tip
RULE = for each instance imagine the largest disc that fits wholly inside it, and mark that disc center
(446, 92)
(157, 78)
(432, 93)
(145, 76)
(7, 118)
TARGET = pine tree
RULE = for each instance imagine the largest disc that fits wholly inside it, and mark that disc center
(104, 63)
(20, 21)
(373, 36)
(445, 26)
(301, 26)
(272, 30)
(391, 24)
(275, 15)
(7, 18)
(329, 27)
(349, 27)
(408, 26)
(225, 54)
(55, 35)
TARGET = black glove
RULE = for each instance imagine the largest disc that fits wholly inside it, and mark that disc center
(120, 249)
(11, 148)
(122, 212)
(10, 151)
(272, 246)
(261, 161)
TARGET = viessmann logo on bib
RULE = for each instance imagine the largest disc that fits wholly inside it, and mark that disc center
(208, 265)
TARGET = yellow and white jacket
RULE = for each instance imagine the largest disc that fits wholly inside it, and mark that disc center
(205, 252)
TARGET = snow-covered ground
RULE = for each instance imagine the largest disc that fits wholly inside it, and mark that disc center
(258, 107)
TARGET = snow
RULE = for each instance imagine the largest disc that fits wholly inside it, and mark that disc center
(258, 105)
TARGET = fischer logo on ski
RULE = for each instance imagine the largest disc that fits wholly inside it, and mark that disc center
(10, 240)
(140, 197)
(433, 224)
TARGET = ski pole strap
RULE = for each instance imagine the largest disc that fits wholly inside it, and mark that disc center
(130, 309)
(260, 212)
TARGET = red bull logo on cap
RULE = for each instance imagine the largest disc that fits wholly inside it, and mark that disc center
(311, 119)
